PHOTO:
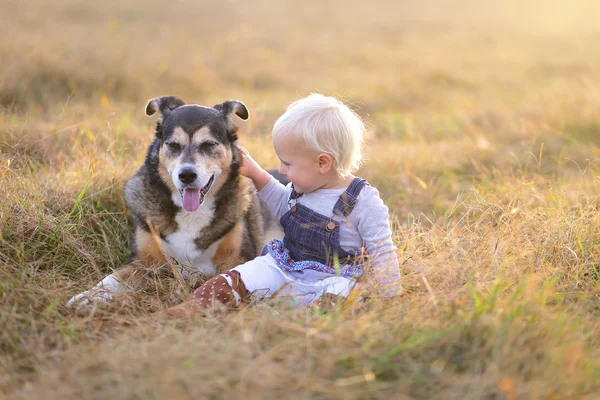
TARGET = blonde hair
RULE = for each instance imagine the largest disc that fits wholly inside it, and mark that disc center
(328, 126)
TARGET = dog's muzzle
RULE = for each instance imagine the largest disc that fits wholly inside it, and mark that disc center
(192, 196)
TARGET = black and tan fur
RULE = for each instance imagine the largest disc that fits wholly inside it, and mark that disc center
(192, 144)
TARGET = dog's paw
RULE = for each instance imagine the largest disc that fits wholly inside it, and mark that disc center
(79, 300)
(86, 300)
(103, 292)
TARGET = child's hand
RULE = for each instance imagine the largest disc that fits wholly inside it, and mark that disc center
(251, 169)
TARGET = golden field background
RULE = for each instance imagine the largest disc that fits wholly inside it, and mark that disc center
(484, 133)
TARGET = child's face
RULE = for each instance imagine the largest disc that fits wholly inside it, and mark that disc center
(299, 164)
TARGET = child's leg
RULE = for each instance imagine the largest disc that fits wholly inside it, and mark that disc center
(336, 290)
(328, 301)
(261, 276)
(256, 276)
(226, 288)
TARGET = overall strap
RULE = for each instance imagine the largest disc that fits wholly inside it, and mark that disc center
(348, 199)
(294, 195)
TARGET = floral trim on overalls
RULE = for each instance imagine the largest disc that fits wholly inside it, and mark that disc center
(312, 240)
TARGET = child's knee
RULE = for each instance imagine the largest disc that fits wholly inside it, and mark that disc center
(329, 301)
(226, 288)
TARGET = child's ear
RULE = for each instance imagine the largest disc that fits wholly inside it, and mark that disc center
(325, 162)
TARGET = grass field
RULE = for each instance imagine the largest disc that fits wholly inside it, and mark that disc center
(484, 122)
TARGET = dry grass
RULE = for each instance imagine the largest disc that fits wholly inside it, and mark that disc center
(485, 132)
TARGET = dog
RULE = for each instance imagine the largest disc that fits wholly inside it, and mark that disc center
(188, 200)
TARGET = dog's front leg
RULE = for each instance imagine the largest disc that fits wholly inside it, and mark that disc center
(131, 277)
(104, 291)
(147, 259)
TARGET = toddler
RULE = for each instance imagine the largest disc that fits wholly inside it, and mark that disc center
(334, 223)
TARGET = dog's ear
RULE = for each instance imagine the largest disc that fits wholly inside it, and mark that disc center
(164, 104)
(233, 106)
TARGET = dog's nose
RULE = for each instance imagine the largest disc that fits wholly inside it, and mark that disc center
(187, 175)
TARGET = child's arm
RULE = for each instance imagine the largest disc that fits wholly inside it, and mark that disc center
(374, 227)
(273, 193)
(251, 169)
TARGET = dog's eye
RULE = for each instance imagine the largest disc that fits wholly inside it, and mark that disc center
(207, 146)
(174, 146)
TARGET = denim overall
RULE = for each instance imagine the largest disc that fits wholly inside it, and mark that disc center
(313, 239)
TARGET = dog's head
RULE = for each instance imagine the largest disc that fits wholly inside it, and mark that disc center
(197, 146)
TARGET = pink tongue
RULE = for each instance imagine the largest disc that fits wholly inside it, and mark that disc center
(191, 199)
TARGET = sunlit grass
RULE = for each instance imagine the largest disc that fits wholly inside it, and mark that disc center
(483, 122)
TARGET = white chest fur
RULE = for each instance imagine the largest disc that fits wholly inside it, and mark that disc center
(181, 245)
